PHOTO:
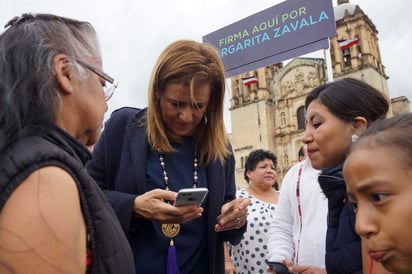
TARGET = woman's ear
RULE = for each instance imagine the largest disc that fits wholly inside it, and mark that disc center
(157, 94)
(359, 125)
(64, 73)
(248, 174)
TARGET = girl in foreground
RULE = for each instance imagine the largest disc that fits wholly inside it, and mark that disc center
(379, 184)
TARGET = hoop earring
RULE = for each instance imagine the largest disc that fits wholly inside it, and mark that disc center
(354, 138)
(205, 119)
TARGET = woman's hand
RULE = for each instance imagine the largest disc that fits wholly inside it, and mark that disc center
(307, 269)
(230, 268)
(153, 205)
(233, 215)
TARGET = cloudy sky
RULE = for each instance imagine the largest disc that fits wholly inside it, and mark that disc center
(132, 34)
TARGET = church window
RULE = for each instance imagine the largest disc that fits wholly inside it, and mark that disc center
(301, 118)
(346, 58)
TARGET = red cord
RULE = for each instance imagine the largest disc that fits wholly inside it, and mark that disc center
(370, 266)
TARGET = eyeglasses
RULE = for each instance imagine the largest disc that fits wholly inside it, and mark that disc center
(108, 88)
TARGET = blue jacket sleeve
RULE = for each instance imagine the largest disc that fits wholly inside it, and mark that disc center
(110, 165)
(233, 236)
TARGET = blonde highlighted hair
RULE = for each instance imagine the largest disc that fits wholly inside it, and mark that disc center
(190, 63)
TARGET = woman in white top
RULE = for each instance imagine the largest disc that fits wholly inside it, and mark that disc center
(298, 231)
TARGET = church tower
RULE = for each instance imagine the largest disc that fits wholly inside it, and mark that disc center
(355, 49)
(267, 104)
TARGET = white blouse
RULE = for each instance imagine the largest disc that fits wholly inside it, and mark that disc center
(286, 238)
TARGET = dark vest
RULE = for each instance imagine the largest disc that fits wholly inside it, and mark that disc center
(343, 245)
(110, 248)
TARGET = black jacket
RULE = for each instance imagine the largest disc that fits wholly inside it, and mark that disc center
(109, 246)
(343, 245)
(119, 167)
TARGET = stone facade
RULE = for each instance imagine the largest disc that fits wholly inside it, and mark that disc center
(270, 113)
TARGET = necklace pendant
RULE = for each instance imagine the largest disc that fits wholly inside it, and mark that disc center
(170, 230)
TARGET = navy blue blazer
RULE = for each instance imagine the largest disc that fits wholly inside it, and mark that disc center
(119, 158)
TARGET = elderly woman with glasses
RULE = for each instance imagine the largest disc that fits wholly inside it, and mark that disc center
(54, 218)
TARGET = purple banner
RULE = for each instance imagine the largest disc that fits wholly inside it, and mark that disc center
(289, 29)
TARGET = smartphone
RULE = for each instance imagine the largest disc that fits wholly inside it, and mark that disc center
(191, 196)
(277, 267)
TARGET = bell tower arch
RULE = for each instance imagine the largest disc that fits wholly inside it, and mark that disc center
(355, 49)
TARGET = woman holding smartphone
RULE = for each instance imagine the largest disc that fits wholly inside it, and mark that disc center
(145, 156)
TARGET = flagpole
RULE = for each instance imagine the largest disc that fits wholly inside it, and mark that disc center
(326, 53)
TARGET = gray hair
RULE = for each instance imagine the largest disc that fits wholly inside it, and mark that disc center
(29, 93)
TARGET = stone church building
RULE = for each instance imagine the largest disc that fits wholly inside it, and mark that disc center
(269, 114)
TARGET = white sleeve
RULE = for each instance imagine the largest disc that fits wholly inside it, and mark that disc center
(280, 243)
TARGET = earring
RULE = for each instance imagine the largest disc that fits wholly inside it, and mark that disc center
(205, 119)
(354, 138)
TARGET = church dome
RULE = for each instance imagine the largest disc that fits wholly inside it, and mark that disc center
(340, 10)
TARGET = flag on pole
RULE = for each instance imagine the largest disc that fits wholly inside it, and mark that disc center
(249, 80)
(347, 43)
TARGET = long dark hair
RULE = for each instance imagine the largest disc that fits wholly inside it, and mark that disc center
(349, 98)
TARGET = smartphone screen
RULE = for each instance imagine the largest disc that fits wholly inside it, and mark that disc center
(191, 196)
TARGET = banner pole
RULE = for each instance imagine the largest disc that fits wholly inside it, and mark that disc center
(326, 53)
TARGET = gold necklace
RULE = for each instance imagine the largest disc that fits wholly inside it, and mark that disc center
(172, 230)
